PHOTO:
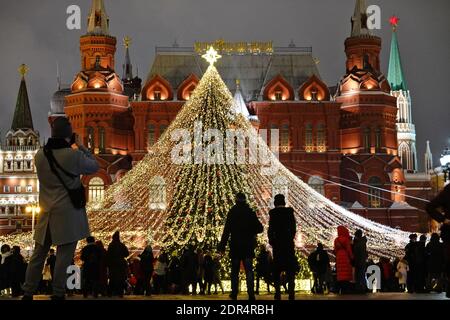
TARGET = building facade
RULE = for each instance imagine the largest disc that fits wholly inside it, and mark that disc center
(19, 186)
(343, 141)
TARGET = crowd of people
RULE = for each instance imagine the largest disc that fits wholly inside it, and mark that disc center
(421, 270)
(115, 271)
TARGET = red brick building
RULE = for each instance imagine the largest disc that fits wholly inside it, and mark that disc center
(342, 141)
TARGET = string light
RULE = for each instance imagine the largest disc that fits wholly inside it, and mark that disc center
(199, 196)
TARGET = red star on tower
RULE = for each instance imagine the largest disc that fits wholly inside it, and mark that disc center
(394, 21)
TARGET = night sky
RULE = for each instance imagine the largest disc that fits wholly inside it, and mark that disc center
(35, 33)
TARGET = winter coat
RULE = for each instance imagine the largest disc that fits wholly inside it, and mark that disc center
(65, 223)
(318, 261)
(16, 268)
(263, 264)
(410, 254)
(344, 255)
(91, 255)
(147, 261)
(242, 226)
(281, 233)
(115, 256)
(360, 255)
(435, 257)
(189, 266)
(5, 281)
(209, 269)
(402, 269)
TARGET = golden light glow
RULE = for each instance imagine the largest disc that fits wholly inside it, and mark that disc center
(23, 69)
(127, 42)
(211, 56)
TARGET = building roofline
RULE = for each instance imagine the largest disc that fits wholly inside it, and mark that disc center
(276, 51)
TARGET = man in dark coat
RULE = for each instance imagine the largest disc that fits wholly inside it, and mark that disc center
(439, 210)
(16, 273)
(282, 229)
(242, 226)
(117, 265)
(91, 256)
(410, 256)
(319, 263)
(360, 256)
(189, 270)
(147, 268)
(421, 271)
(435, 263)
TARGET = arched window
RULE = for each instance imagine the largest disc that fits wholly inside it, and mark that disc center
(28, 162)
(157, 193)
(284, 138)
(90, 138)
(157, 94)
(280, 185)
(378, 138)
(18, 163)
(321, 140)
(96, 189)
(404, 155)
(151, 138)
(101, 139)
(366, 139)
(374, 197)
(8, 163)
(316, 183)
(309, 143)
(278, 94)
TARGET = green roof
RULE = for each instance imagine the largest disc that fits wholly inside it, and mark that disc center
(395, 76)
(22, 114)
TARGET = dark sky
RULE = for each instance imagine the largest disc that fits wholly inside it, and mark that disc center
(35, 33)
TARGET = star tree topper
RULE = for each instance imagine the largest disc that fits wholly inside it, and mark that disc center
(211, 56)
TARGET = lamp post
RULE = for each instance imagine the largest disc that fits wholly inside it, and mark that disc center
(33, 209)
(445, 164)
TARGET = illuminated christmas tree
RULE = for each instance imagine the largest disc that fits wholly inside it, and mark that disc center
(182, 190)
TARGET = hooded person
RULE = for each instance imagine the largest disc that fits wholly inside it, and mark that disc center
(63, 220)
(344, 258)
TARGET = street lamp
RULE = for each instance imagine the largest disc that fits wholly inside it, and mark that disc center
(445, 164)
(33, 209)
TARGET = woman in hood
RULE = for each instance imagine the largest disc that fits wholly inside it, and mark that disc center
(344, 259)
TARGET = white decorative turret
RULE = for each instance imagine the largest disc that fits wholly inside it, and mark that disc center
(428, 159)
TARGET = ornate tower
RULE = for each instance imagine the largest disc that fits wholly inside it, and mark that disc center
(18, 180)
(406, 132)
(368, 119)
(132, 85)
(97, 107)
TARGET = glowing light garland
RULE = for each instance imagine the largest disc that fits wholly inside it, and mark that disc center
(198, 196)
